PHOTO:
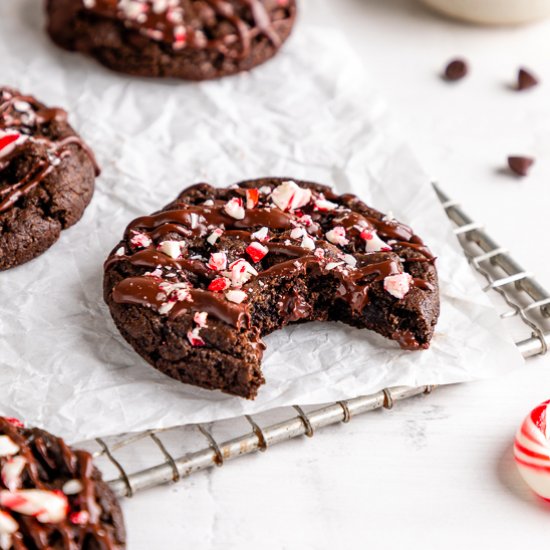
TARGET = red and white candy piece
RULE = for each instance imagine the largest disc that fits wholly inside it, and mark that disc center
(337, 235)
(241, 272)
(289, 196)
(398, 285)
(219, 285)
(7, 524)
(307, 242)
(200, 318)
(11, 472)
(373, 243)
(235, 208)
(218, 261)
(171, 248)
(214, 236)
(140, 240)
(261, 235)
(532, 450)
(45, 506)
(80, 518)
(322, 205)
(7, 446)
(72, 487)
(257, 251)
(236, 296)
(8, 142)
(252, 197)
(195, 338)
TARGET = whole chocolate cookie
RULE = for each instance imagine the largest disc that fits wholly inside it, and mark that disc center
(46, 177)
(194, 287)
(53, 497)
(189, 39)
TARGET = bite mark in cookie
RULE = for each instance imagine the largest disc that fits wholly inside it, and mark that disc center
(297, 252)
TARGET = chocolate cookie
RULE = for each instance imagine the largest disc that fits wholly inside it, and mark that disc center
(194, 287)
(189, 39)
(46, 177)
(52, 497)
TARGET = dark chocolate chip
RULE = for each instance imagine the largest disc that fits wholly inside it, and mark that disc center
(456, 70)
(520, 165)
(526, 80)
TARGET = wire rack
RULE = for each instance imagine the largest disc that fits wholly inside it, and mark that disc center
(138, 461)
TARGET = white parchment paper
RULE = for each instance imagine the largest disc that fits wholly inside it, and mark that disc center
(311, 113)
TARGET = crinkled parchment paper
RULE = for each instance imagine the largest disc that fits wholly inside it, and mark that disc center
(309, 114)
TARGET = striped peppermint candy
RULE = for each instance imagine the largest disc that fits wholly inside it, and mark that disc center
(532, 450)
(11, 472)
(45, 506)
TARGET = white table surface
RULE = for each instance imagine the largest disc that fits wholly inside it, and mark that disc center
(436, 471)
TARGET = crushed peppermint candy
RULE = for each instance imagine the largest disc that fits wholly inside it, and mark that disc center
(11, 472)
(214, 236)
(7, 446)
(261, 235)
(236, 296)
(140, 240)
(81, 517)
(289, 196)
(45, 506)
(219, 285)
(350, 260)
(200, 318)
(195, 338)
(398, 285)
(72, 487)
(307, 242)
(333, 265)
(171, 248)
(252, 197)
(265, 190)
(235, 209)
(297, 233)
(8, 525)
(120, 251)
(241, 272)
(217, 261)
(337, 235)
(257, 251)
(322, 205)
(373, 243)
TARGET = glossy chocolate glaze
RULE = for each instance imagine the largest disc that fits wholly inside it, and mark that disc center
(188, 24)
(24, 116)
(43, 454)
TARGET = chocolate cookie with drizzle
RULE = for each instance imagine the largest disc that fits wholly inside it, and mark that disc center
(195, 286)
(188, 39)
(51, 496)
(47, 177)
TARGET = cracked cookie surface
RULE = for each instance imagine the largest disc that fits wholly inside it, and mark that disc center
(195, 286)
(47, 177)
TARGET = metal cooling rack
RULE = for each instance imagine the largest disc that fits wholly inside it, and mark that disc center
(123, 458)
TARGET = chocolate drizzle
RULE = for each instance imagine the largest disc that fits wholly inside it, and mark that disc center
(49, 463)
(191, 24)
(25, 130)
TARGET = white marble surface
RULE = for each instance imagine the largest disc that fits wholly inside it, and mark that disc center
(436, 471)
